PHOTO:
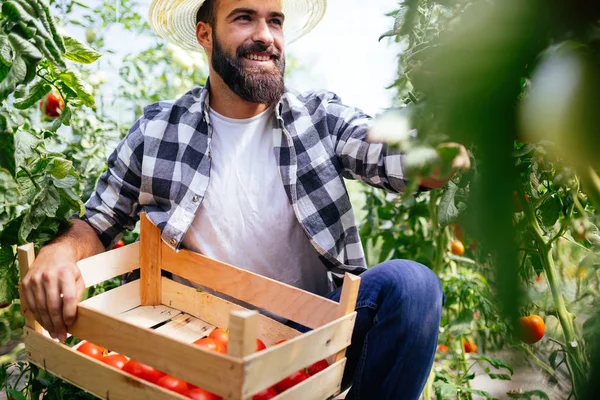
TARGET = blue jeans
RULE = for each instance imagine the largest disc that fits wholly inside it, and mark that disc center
(395, 336)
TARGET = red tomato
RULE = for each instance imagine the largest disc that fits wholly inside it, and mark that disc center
(470, 346)
(119, 244)
(292, 380)
(211, 344)
(317, 367)
(52, 105)
(281, 341)
(200, 394)
(265, 394)
(116, 360)
(174, 384)
(220, 335)
(143, 371)
(92, 350)
(531, 328)
(442, 348)
(260, 345)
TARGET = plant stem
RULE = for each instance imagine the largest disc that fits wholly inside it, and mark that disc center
(547, 369)
(575, 360)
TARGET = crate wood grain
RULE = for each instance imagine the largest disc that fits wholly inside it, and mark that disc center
(155, 320)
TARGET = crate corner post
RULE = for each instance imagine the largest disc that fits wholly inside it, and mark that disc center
(348, 300)
(151, 246)
(243, 332)
(26, 256)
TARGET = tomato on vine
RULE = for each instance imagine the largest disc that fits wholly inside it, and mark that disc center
(469, 345)
(458, 248)
(531, 329)
(52, 105)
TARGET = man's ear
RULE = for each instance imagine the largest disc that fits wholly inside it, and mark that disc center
(204, 36)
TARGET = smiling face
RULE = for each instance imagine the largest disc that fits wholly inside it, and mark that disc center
(246, 48)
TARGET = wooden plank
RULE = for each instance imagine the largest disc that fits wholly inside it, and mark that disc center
(215, 311)
(186, 328)
(89, 374)
(109, 264)
(243, 332)
(118, 300)
(150, 262)
(348, 299)
(287, 301)
(318, 387)
(215, 372)
(265, 368)
(26, 256)
(147, 316)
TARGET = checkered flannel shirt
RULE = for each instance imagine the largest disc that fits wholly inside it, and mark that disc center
(162, 167)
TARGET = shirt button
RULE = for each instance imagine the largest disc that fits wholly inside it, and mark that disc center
(173, 242)
(195, 199)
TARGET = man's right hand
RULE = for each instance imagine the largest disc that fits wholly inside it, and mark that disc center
(52, 289)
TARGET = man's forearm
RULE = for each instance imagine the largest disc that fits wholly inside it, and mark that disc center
(78, 242)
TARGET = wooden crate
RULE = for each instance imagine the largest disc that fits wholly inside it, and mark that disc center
(154, 320)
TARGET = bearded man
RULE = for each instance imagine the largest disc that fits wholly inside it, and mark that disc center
(250, 173)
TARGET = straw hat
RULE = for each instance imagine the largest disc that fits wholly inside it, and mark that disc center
(175, 20)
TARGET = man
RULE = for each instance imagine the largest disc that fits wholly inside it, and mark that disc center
(247, 172)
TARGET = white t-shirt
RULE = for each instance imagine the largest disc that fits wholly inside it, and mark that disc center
(246, 219)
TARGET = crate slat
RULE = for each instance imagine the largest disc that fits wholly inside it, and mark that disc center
(118, 300)
(147, 316)
(151, 247)
(89, 374)
(269, 366)
(215, 372)
(287, 301)
(110, 264)
(186, 328)
(319, 387)
(215, 311)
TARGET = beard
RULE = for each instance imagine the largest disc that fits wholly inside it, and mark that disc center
(253, 84)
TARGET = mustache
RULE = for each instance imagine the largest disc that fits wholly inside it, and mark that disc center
(256, 47)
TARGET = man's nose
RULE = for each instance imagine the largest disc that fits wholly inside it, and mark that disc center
(262, 33)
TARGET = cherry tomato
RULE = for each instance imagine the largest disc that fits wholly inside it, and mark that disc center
(211, 344)
(317, 367)
(265, 394)
(143, 371)
(52, 105)
(458, 248)
(292, 380)
(469, 346)
(531, 328)
(174, 384)
(442, 348)
(119, 244)
(116, 360)
(92, 350)
(260, 345)
(220, 335)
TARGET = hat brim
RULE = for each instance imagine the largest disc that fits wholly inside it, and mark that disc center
(175, 20)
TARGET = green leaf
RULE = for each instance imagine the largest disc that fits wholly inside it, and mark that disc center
(9, 189)
(80, 52)
(60, 168)
(503, 377)
(481, 393)
(36, 93)
(27, 57)
(550, 211)
(65, 183)
(5, 51)
(419, 161)
(528, 395)
(447, 211)
(25, 143)
(73, 81)
(497, 363)
(7, 151)
(446, 390)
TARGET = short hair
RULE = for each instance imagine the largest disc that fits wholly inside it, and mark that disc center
(207, 12)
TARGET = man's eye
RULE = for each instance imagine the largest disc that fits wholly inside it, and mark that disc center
(243, 18)
(277, 22)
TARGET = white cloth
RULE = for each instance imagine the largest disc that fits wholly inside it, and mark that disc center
(245, 218)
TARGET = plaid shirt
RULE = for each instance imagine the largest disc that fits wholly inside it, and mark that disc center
(163, 167)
